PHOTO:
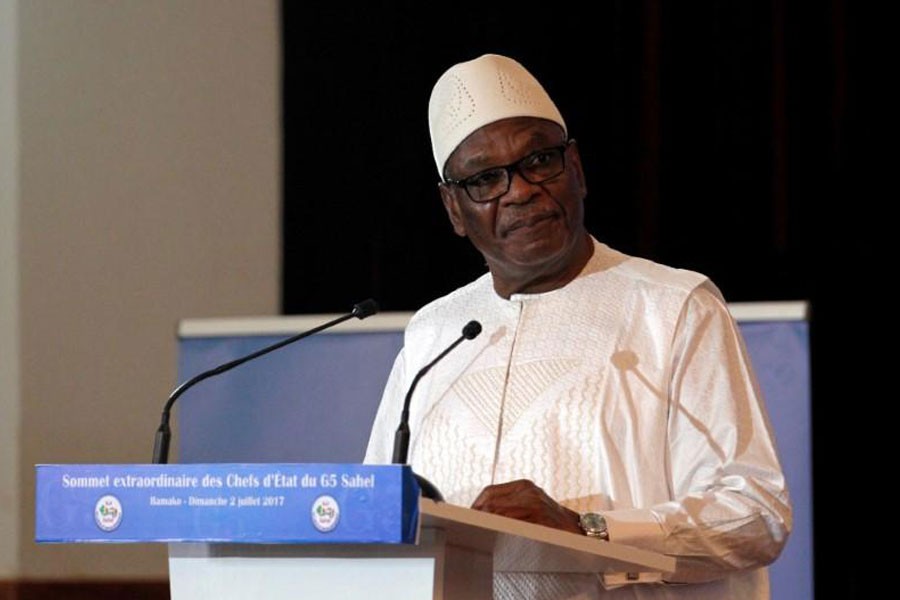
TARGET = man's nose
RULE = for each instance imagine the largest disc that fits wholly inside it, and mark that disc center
(521, 191)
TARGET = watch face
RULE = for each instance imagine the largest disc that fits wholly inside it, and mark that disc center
(592, 523)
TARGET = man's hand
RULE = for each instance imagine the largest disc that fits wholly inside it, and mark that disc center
(522, 499)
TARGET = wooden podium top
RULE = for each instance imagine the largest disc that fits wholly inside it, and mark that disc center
(518, 546)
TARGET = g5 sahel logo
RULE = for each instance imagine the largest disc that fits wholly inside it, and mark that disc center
(325, 513)
(108, 513)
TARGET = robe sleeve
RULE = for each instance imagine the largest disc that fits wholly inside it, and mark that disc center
(729, 507)
(380, 449)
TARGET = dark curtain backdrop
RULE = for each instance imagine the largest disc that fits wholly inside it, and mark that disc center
(732, 138)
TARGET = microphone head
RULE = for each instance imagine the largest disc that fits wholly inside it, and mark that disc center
(471, 330)
(364, 309)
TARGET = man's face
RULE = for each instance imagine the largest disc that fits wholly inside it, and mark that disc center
(534, 233)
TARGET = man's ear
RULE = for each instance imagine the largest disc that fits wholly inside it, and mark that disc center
(452, 207)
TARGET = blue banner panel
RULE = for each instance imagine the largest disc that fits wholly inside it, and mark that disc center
(242, 503)
(780, 354)
(311, 402)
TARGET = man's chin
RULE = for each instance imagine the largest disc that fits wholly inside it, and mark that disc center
(535, 257)
(534, 247)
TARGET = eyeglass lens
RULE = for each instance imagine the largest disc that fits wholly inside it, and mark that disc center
(537, 167)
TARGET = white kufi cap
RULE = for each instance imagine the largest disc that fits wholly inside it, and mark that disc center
(473, 94)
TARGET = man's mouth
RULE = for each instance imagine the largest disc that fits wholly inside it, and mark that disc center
(529, 222)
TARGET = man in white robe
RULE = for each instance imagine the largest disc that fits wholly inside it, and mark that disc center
(607, 395)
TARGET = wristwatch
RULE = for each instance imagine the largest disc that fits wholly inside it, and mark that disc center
(594, 525)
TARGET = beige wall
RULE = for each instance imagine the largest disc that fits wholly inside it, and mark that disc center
(9, 296)
(149, 192)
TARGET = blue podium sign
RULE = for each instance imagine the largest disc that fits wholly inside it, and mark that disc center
(242, 503)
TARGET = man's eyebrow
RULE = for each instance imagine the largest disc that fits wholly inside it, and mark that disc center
(479, 161)
(475, 163)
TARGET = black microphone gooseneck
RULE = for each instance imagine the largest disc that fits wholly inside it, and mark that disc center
(401, 438)
(361, 310)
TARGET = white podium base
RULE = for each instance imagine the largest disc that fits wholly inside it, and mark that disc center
(291, 572)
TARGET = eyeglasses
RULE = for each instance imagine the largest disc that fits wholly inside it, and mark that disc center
(537, 167)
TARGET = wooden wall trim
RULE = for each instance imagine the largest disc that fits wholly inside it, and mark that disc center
(84, 590)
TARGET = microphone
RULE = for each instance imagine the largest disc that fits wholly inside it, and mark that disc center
(401, 438)
(361, 310)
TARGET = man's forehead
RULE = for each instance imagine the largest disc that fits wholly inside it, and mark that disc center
(521, 134)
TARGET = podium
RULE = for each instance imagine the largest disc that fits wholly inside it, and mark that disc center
(280, 531)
